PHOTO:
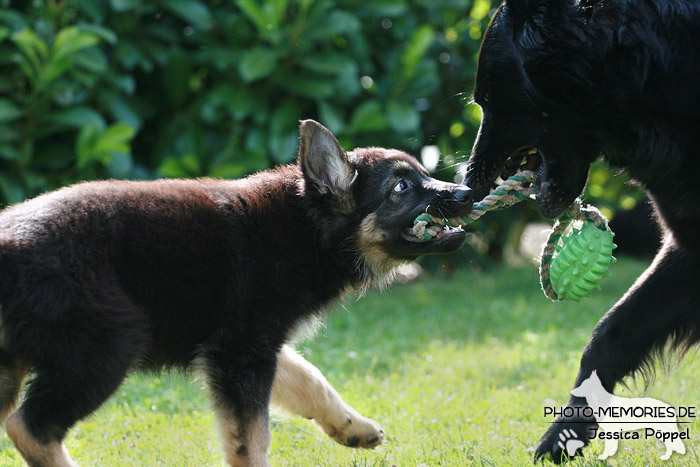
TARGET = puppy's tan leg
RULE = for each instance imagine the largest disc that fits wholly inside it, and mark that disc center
(245, 444)
(300, 388)
(36, 453)
(10, 384)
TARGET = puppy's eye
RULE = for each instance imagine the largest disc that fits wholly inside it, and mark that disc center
(486, 97)
(400, 185)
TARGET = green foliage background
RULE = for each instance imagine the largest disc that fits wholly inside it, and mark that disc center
(184, 88)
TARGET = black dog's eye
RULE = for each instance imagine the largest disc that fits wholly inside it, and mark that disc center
(486, 97)
(400, 185)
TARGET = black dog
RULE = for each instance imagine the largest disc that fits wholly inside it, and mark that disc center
(576, 79)
(101, 278)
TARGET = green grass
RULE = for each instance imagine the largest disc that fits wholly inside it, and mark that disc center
(456, 370)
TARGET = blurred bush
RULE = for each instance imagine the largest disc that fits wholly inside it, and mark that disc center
(180, 88)
(185, 88)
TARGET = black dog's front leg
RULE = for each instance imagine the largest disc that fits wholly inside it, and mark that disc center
(661, 305)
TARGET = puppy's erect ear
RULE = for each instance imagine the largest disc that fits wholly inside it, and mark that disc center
(323, 160)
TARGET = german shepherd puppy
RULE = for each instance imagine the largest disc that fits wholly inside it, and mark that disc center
(105, 277)
(576, 79)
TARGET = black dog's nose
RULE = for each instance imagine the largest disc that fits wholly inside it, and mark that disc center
(463, 194)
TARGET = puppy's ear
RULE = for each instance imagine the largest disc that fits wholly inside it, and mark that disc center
(323, 160)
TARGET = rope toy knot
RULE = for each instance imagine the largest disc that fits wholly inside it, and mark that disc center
(571, 266)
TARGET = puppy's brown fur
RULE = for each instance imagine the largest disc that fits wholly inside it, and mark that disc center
(100, 278)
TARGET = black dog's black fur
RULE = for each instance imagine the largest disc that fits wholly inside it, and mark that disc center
(104, 277)
(618, 78)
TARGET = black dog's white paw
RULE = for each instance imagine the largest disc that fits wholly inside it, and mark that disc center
(569, 442)
(563, 441)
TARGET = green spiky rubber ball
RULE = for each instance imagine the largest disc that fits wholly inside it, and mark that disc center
(582, 262)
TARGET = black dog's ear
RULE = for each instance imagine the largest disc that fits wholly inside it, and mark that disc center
(520, 11)
(324, 162)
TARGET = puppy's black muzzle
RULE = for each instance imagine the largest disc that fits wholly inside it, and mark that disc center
(452, 201)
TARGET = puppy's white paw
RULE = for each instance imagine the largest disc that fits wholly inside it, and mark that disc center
(351, 429)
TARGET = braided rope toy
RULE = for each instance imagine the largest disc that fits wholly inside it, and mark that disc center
(582, 257)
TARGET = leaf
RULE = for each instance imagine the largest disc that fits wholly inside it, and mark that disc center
(93, 60)
(257, 63)
(331, 117)
(285, 117)
(31, 73)
(116, 138)
(176, 77)
(33, 48)
(6, 84)
(284, 138)
(415, 50)
(124, 83)
(387, 8)
(227, 171)
(277, 10)
(54, 71)
(241, 103)
(337, 22)
(254, 12)
(330, 63)
(120, 165)
(346, 87)
(11, 189)
(9, 112)
(236, 100)
(221, 58)
(424, 81)
(172, 168)
(96, 11)
(192, 12)
(100, 31)
(9, 153)
(70, 40)
(12, 18)
(127, 54)
(368, 117)
(283, 146)
(123, 110)
(402, 117)
(124, 5)
(77, 117)
(255, 141)
(180, 167)
(96, 145)
(4, 33)
(307, 85)
(85, 145)
(8, 134)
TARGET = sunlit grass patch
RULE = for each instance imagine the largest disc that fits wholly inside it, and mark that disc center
(457, 371)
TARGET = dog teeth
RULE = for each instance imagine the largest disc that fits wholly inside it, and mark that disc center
(498, 181)
(524, 161)
(532, 151)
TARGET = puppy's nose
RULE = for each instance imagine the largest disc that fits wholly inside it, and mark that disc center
(463, 194)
